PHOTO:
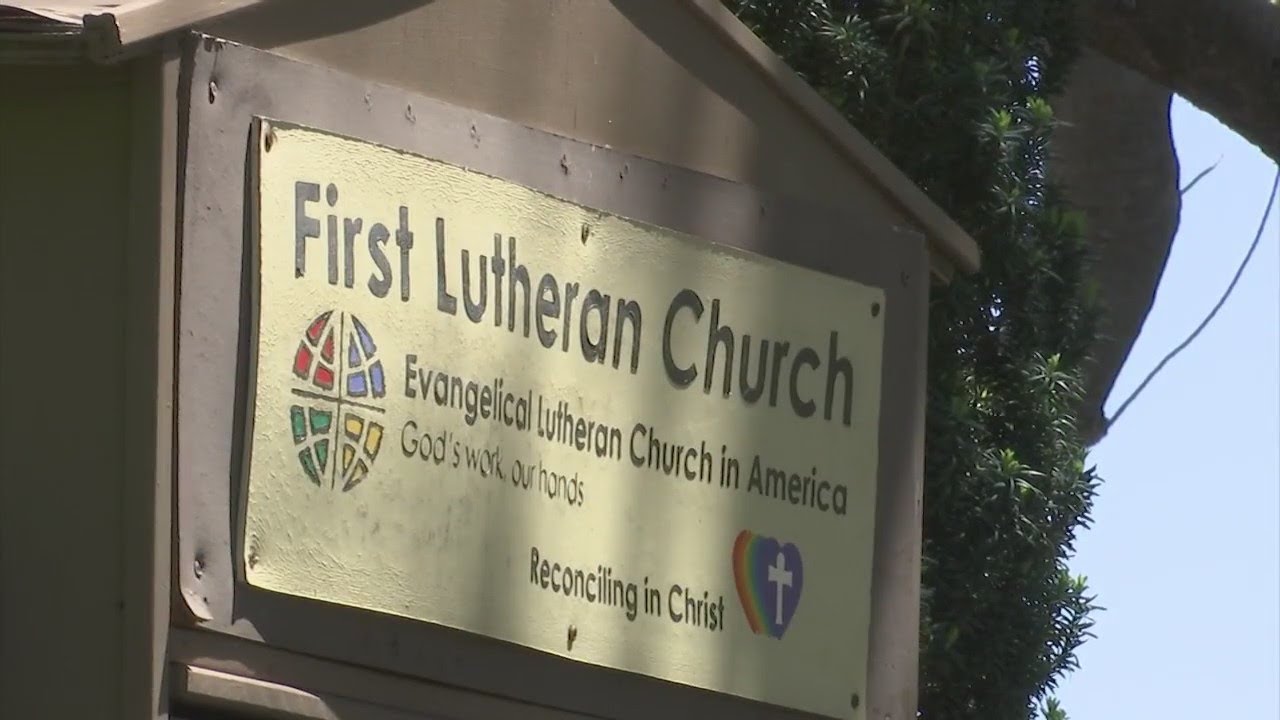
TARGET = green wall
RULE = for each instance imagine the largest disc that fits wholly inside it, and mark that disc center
(64, 220)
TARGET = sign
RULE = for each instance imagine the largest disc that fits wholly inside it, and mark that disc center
(477, 405)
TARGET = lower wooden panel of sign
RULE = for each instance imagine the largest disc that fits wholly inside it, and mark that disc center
(212, 672)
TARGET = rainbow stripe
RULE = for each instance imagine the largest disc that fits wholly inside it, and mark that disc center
(746, 553)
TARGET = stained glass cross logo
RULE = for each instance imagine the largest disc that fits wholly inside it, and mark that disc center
(338, 380)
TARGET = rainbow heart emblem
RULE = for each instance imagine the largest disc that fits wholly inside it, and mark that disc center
(769, 577)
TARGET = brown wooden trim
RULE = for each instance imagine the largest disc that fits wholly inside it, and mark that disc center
(226, 691)
(149, 380)
(216, 670)
(894, 651)
(116, 33)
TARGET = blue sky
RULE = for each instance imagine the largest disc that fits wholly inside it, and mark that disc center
(1185, 550)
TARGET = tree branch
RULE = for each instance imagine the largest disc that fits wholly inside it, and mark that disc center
(1114, 157)
(1221, 55)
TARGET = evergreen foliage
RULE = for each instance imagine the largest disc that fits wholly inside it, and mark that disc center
(955, 92)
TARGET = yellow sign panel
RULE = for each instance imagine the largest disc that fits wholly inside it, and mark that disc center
(484, 407)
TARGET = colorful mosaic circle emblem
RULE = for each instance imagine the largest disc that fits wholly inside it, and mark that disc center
(338, 381)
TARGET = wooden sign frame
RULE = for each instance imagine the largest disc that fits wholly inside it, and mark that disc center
(224, 87)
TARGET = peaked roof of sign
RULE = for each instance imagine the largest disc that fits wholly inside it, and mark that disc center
(109, 28)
